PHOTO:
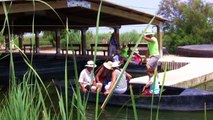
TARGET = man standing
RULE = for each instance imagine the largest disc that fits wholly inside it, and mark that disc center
(113, 44)
(153, 50)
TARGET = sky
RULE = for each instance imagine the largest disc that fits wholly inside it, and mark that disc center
(148, 6)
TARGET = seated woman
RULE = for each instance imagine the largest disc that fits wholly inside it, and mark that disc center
(104, 73)
(136, 59)
(152, 86)
(87, 78)
(121, 86)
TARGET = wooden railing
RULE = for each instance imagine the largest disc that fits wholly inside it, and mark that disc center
(29, 46)
(76, 48)
(141, 48)
(100, 47)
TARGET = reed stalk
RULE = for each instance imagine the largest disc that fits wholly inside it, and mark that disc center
(133, 103)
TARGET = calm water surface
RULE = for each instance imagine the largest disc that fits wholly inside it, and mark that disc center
(127, 113)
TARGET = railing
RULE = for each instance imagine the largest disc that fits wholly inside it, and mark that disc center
(76, 48)
(29, 46)
(141, 48)
(100, 47)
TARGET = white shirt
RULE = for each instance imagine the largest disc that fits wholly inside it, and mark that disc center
(86, 78)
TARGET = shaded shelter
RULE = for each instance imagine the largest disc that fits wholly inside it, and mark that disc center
(81, 14)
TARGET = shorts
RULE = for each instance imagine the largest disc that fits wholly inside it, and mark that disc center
(116, 90)
(88, 87)
(153, 61)
(147, 92)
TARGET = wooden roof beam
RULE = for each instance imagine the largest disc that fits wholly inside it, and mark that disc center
(125, 14)
(26, 7)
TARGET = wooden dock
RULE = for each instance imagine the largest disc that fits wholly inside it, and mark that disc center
(184, 71)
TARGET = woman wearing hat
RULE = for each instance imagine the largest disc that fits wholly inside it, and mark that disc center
(104, 74)
(87, 78)
(121, 86)
(153, 50)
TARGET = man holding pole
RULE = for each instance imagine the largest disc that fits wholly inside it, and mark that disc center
(153, 50)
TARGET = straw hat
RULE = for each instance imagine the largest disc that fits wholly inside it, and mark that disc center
(90, 63)
(149, 32)
(136, 51)
(115, 64)
(108, 65)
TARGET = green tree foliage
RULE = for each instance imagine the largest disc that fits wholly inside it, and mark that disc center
(74, 37)
(1, 38)
(127, 37)
(50, 36)
(189, 22)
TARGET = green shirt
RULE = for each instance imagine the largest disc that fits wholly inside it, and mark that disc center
(153, 47)
(124, 53)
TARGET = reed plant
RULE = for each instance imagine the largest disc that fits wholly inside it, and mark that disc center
(26, 100)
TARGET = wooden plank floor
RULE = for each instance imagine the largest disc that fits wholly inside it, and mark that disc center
(198, 71)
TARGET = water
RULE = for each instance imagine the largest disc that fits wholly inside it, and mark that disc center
(111, 113)
(127, 113)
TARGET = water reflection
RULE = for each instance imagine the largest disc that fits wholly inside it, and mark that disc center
(113, 113)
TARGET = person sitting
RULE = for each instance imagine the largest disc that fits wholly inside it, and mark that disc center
(121, 86)
(104, 73)
(136, 59)
(124, 52)
(87, 78)
(152, 86)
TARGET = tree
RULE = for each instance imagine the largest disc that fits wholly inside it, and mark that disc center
(50, 36)
(189, 22)
(127, 37)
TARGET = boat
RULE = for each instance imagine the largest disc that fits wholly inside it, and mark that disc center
(172, 98)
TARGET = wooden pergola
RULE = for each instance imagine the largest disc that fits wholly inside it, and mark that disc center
(80, 14)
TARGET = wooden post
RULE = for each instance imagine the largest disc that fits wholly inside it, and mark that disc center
(159, 37)
(58, 47)
(37, 43)
(20, 40)
(83, 41)
(7, 43)
(116, 30)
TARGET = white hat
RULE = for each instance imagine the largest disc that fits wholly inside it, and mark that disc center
(108, 65)
(149, 32)
(90, 63)
(115, 64)
(136, 51)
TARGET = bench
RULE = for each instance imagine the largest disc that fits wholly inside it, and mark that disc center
(141, 48)
(29, 46)
(100, 47)
(75, 47)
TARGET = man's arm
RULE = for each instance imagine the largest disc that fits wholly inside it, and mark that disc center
(112, 83)
(99, 74)
(148, 39)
